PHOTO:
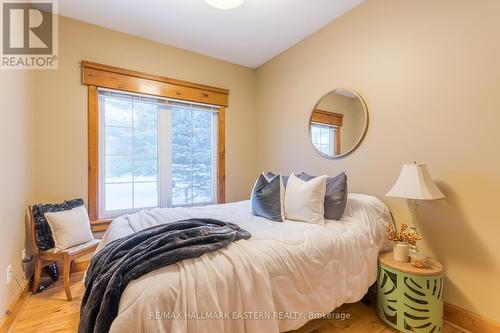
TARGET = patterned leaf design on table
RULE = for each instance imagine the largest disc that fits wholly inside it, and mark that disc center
(422, 297)
(388, 285)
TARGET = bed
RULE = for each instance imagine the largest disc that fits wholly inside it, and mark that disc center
(283, 276)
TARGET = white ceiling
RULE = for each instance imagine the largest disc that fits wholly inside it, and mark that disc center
(249, 35)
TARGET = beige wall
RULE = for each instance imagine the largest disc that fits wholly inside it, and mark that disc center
(430, 74)
(61, 106)
(16, 176)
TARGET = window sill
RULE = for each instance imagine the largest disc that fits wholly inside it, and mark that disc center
(100, 225)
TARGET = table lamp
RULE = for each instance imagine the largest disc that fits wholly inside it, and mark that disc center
(415, 183)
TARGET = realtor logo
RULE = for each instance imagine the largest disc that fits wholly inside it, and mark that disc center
(29, 34)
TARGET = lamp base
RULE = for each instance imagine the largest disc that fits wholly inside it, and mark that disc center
(412, 203)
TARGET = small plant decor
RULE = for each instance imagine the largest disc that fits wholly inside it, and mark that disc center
(402, 235)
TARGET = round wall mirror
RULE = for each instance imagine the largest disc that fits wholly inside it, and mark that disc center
(338, 123)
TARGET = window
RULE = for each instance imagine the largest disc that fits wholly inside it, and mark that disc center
(155, 152)
(323, 138)
(138, 177)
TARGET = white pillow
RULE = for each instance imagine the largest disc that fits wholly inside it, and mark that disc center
(305, 200)
(69, 227)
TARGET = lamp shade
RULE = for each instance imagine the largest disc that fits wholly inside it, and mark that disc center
(414, 182)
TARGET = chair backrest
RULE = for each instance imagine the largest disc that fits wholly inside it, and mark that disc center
(33, 230)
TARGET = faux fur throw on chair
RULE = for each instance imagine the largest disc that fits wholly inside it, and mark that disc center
(128, 258)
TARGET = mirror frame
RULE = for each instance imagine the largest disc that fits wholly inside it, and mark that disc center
(365, 126)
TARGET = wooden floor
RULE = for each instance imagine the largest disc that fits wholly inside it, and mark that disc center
(49, 311)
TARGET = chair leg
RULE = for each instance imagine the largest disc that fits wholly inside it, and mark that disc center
(37, 275)
(66, 271)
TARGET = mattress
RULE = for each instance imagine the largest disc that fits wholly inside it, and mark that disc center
(283, 276)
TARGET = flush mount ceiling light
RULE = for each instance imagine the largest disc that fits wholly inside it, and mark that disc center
(225, 4)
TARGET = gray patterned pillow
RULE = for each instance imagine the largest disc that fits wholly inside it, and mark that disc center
(268, 198)
(335, 196)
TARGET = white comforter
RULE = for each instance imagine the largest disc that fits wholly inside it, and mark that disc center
(275, 281)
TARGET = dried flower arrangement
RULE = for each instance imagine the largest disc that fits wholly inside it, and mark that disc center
(402, 235)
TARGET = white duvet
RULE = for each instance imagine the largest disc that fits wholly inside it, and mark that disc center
(283, 276)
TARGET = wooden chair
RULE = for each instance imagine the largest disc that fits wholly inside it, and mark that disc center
(66, 257)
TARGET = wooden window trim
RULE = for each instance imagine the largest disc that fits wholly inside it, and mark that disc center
(93, 152)
(98, 75)
(127, 80)
(327, 118)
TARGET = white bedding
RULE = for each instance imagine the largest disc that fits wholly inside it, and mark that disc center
(283, 273)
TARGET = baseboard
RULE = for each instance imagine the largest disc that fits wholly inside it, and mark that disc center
(14, 309)
(469, 320)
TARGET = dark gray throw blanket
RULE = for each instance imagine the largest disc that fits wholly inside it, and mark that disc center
(128, 258)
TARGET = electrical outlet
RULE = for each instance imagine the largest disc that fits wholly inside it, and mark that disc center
(9, 273)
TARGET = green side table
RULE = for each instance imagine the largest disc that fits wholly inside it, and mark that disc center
(410, 299)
